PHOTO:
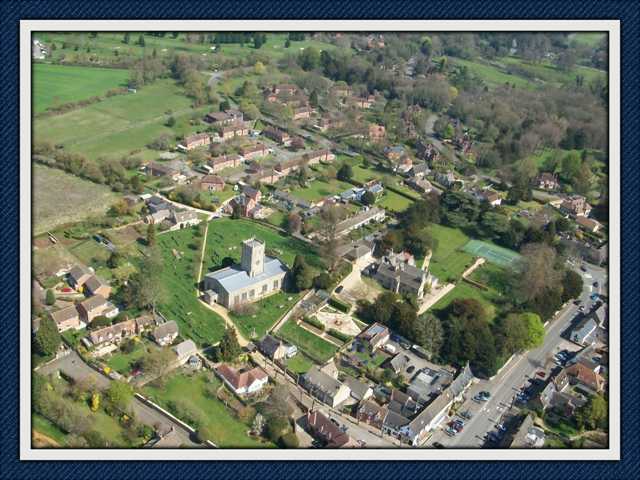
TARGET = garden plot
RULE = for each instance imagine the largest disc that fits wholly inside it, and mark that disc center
(339, 321)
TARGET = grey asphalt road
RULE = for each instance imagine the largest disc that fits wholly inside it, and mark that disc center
(515, 375)
(73, 366)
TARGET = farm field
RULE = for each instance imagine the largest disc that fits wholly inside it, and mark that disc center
(448, 260)
(118, 125)
(193, 392)
(195, 321)
(265, 314)
(57, 196)
(58, 84)
(315, 347)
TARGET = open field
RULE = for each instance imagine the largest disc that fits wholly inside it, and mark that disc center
(492, 253)
(118, 125)
(493, 75)
(179, 278)
(58, 84)
(312, 345)
(227, 430)
(267, 312)
(590, 39)
(549, 73)
(59, 198)
(448, 260)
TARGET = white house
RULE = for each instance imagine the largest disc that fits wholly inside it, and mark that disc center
(243, 383)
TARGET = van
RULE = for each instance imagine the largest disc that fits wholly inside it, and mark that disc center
(390, 348)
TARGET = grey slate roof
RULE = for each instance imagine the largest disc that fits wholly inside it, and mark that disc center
(584, 329)
(358, 388)
(321, 381)
(167, 328)
(188, 347)
(233, 278)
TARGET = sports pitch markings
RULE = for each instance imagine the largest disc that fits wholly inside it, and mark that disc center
(494, 254)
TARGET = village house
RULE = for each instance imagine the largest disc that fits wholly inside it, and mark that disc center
(359, 390)
(421, 185)
(165, 333)
(341, 90)
(363, 102)
(377, 133)
(372, 413)
(403, 278)
(286, 167)
(316, 156)
(212, 183)
(144, 322)
(576, 205)
(66, 318)
(113, 333)
(96, 286)
(365, 217)
(256, 277)
(284, 88)
(418, 170)
(156, 169)
(581, 374)
(326, 122)
(254, 151)
(447, 179)
(185, 350)
(235, 130)
(277, 135)
(218, 164)
(547, 181)
(325, 430)
(377, 335)
(491, 197)
(96, 306)
(197, 140)
(301, 113)
(242, 382)
(182, 219)
(528, 435)
(584, 332)
(77, 276)
(276, 349)
(324, 387)
(394, 153)
(229, 117)
(247, 202)
(588, 224)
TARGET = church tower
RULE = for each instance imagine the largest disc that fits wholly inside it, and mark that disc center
(252, 257)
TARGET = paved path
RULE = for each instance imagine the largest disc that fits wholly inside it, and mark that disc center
(74, 367)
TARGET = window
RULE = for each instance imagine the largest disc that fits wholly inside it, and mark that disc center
(275, 284)
(244, 295)
(236, 299)
(252, 294)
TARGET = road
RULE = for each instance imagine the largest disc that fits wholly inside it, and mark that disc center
(74, 367)
(515, 375)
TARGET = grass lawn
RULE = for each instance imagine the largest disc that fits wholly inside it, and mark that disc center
(493, 75)
(590, 39)
(464, 290)
(58, 84)
(45, 427)
(300, 364)
(227, 430)
(267, 313)
(375, 361)
(123, 362)
(57, 197)
(448, 260)
(317, 190)
(549, 73)
(118, 125)
(312, 345)
(393, 201)
(179, 278)
(277, 218)
(225, 236)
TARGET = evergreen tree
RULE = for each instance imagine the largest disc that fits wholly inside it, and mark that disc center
(126, 38)
(229, 347)
(50, 298)
(141, 40)
(47, 338)
(151, 235)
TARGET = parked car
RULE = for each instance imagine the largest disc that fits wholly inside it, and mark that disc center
(596, 284)
(339, 288)
(485, 394)
(411, 368)
(438, 445)
(541, 374)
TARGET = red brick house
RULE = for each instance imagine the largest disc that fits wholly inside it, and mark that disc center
(197, 140)
(302, 113)
(218, 164)
(212, 183)
(277, 135)
(232, 131)
(254, 151)
(377, 133)
(327, 431)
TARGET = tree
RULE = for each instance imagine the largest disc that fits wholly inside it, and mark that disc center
(302, 273)
(126, 38)
(345, 173)
(157, 362)
(171, 121)
(229, 347)
(309, 59)
(259, 68)
(277, 405)
(95, 401)
(289, 440)
(100, 322)
(572, 285)
(50, 297)
(145, 288)
(277, 427)
(368, 198)
(225, 105)
(47, 339)
(120, 395)
(287, 43)
(433, 334)
(593, 414)
(520, 332)
(322, 281)
(313, 99)
(141, 40)
(151, 235)
(535, 271)
(294, 223)
(114, 259)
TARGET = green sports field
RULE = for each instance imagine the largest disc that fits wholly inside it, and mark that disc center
(492, 253)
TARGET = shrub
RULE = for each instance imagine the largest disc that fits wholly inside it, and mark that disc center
(314, 321)
(340, 305)
(289, 440)
(339, 335)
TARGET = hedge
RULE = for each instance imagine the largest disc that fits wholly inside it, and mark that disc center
(314, 321)
(339, 335)
(340, 305)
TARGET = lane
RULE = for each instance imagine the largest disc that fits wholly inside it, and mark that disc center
(516, 374)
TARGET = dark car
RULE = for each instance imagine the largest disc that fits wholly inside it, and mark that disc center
(596, 284)
(411, 368)
(438, 445)
(541, 374)
(339, 288)
(485, 394)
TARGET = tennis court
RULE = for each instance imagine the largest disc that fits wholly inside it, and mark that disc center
(493, 253)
